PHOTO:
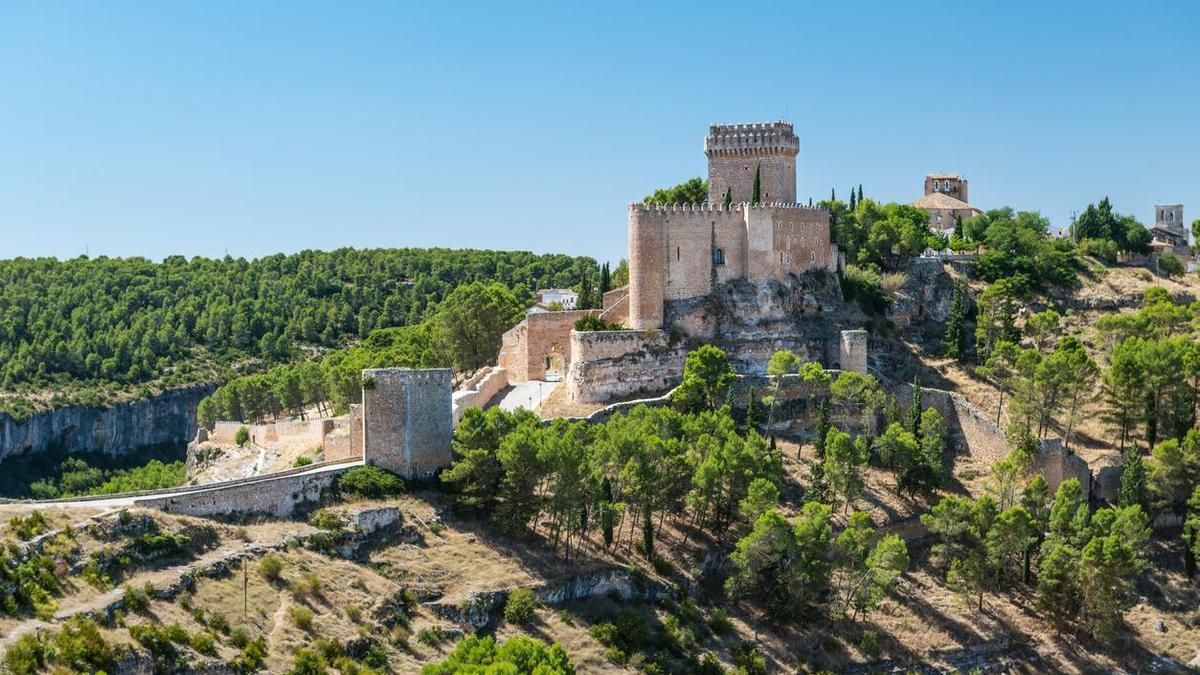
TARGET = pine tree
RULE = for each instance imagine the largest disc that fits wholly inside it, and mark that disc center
(728, 196)
(1133, 480)
(952, 341)
(606, 511)
(756, 191)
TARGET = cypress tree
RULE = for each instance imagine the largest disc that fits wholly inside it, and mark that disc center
(952, 340)
(824, 410)
(728, 196)
(914, 411)
(605, 279)
(852, 202)
(832, 195)
(585, 291)
(1133, 479)
(810, 202)
(755, 192)
(860, 193)
(958, 229)
(606, 511)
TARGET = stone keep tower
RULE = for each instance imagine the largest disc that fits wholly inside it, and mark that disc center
(736, 151)
(406, 418)
(1169, 217)
(853, 351)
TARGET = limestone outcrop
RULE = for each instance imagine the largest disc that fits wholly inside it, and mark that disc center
(169, 417)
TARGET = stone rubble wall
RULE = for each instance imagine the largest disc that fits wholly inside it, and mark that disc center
(407, 419)
(615, 364)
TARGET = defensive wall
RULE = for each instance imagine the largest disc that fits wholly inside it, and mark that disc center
(682, 251)
(477, 391)
(277, 494)
(540, 344)
(616, 306)
(611, 364)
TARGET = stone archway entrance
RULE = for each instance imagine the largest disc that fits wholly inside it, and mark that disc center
(556, 367)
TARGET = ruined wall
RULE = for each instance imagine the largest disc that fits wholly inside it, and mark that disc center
(616, 306)
(169, 417)
(853, 353)
(616, 364)
(407, 419)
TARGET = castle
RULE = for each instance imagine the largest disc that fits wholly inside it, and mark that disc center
(750, 228)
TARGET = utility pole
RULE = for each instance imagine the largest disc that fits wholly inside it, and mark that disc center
(245, 590)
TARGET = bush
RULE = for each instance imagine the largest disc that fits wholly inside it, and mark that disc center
(302, 460)
(28, 527)
(430, 637)
(308, 662)
(325, 520)
(301, 616)
(218, 622)
(595, 323)
(520, 606)
(137, 599)
(1170, 265)
(719, 623)
(865, 285)
(308, 586)
(271, 567)
(204, 643)
(369, 482)
(242, 437)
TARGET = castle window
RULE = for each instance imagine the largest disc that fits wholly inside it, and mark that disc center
(718, 256)
(937, 185)
(677, 253)
(812, 256)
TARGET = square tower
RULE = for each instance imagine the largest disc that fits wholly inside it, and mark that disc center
(947, 184)
(1169, 217)
(736, 152)
(406, 420)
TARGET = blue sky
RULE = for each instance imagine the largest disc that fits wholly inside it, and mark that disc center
(257, 127)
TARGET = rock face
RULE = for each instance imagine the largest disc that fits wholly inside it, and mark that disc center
(925, 295)
(167, 418)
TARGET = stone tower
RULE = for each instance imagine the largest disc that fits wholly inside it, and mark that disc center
(737, 151)
(406, 418)
(853, 351)
(948, 184)
(1169, 217)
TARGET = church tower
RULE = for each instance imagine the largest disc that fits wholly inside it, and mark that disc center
(736, 152)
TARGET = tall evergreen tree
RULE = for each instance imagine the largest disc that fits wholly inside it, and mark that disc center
(860, 197)
(832, 195)
(824, 410)
(1133, 480)
(756, 190)
(605, 279)
(952, 340)
(914, 411)
(728, 196)
(852, 199)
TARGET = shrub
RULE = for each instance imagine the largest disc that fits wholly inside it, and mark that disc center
(520, 606)
(719, 623)
(218, 622)
(204, 643)
(430, 636)
(271, 567)
(302, 460)
(251, 658)
(353, 612)
(26, 656)
(137, 599)
(242, 436)
(28, 527)
(301, 616)
(595, 323)
(1170, 265)
(369, 482)
(308, 662)
(325, 520)
(308, 586)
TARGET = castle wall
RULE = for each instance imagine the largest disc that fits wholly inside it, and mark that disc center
(539, 344)
(853, 353)
(407, 419)
(278, 495)
(617, 364)
(784, 240)
(514, 351)
(689, 237)
(476, 392)
(616, 306)
(647, 265)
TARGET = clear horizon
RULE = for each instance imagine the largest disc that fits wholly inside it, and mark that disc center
(151, 130)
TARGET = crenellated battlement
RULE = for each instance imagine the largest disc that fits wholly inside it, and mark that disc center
(709, 206)
(748, 140)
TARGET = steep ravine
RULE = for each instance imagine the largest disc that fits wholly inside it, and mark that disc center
(167, 418)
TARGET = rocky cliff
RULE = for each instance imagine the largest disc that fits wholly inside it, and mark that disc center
(167, 418)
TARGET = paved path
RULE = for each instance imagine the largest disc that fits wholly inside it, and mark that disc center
(527, 395)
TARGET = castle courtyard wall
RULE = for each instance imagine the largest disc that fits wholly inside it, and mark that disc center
(526, 348)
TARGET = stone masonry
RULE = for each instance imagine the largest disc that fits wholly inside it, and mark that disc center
(407, 419)
(681, 251)
(854, 351)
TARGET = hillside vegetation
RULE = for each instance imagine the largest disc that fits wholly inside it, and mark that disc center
(90, 330)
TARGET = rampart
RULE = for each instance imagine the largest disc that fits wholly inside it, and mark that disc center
(616, 306)
(620, 363)
(539, 347)
(277, 494)
(478, 390)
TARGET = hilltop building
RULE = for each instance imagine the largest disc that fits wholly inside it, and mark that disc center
(946, 201)
(1169, 235)
(681, 251)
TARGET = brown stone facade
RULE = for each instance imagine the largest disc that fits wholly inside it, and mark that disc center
(736, 152)
(407, 419)
(540, 345)
(678, 252)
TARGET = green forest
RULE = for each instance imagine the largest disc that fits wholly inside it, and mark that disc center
(90, 330)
